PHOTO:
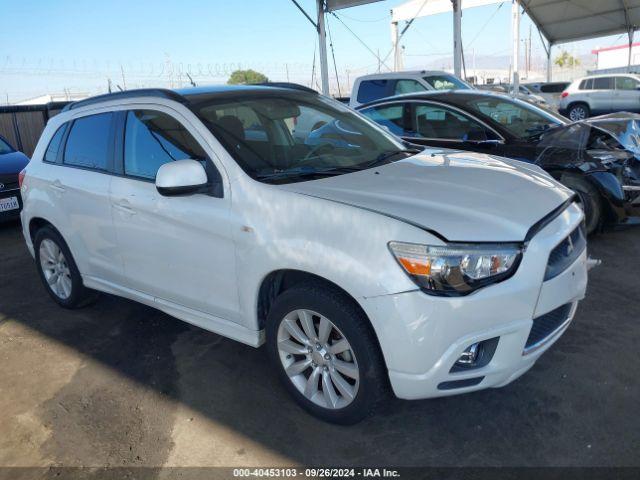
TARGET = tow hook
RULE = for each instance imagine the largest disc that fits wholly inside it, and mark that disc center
(592, 263)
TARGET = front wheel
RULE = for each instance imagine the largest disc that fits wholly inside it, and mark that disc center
(588, 199)
(326, 353)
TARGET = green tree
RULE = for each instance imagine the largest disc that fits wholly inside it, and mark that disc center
(566, 60)
(246, 77)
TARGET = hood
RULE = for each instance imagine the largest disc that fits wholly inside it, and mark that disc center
(12, 163)
(462, 196)
(623, 126)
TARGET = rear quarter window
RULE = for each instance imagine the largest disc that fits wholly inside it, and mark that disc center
(53, 150)
(370, 90)
(586, 84)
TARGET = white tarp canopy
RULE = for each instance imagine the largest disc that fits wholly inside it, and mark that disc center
(559, 21)
(422, 8)
(338, 4)
(569, 20)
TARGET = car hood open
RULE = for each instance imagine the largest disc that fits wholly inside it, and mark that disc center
(462, 196)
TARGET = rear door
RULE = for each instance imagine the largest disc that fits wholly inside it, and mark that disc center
(627, 94)
(79, 185)
(601, 95)
(176, 249)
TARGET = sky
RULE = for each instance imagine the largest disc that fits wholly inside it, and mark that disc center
(53, 46)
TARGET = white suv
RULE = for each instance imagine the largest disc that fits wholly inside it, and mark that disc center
(379, 85)
(359, 262)
(600, 94)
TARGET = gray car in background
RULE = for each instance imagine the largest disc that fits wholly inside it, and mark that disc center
(598, 94)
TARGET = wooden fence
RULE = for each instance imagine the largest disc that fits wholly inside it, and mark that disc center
(22, 125)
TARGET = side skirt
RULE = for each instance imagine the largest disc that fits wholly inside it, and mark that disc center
(214, 324)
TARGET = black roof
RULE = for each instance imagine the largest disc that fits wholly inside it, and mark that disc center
(187, 95)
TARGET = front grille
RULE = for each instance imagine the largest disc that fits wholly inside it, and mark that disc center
(564, 254)
(546, 324)
(10, 182)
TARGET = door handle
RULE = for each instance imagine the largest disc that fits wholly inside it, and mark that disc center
(124, 207)
(57, 186)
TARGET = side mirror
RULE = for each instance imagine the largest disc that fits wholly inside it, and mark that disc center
(181, 177)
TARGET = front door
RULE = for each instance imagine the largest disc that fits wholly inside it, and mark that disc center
(626, 97)
(176, 249)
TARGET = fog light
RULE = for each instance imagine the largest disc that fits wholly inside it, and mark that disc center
(469, 356)
(476, 355)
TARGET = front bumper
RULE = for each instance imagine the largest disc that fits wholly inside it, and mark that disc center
(422, 336)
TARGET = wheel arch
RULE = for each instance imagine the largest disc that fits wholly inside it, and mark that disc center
(36, 223)
(278, 281)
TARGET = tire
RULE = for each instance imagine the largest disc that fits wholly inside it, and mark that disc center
(69, 292)
(589, 198)
(578, 111)
(317, 302)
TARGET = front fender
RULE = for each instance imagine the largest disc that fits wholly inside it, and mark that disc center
(610, 188)
(348, 246)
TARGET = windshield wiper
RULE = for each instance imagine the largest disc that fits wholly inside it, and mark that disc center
(305, 172)
(385, 157)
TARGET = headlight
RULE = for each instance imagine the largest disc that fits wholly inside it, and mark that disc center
(457, 269)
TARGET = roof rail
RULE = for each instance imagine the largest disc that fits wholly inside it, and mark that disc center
(292, 86)
(140, 92)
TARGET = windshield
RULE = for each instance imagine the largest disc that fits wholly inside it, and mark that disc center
(295, 137)
(521, 119)
(5, 147)
(446, 82)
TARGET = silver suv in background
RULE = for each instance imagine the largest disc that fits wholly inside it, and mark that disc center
(550, 91)
(598, 94)
(379, 85)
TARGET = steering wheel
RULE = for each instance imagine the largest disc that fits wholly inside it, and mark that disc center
(314, 150)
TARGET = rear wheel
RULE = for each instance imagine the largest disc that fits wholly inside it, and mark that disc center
(578, 111)
(326, 354)
(588, 198)
(58, 270)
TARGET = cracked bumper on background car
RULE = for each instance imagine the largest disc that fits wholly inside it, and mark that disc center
(514, 322)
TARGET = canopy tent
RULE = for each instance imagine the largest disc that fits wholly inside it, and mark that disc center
(558, 21)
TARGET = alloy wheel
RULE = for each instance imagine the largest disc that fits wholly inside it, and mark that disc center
(578, 113)
(55, 269)
(318, 359)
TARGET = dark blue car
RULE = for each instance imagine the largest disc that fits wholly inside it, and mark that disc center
(11, 164)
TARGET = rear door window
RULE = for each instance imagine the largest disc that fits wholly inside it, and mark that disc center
(389, 116)
(603, 83)
(90, 142)
(370, 90)
(154, 138)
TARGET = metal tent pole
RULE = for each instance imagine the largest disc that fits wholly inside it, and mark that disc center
(457, 38)
(515, 38)
(549, 65)
(395, 41)
(322, 40)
